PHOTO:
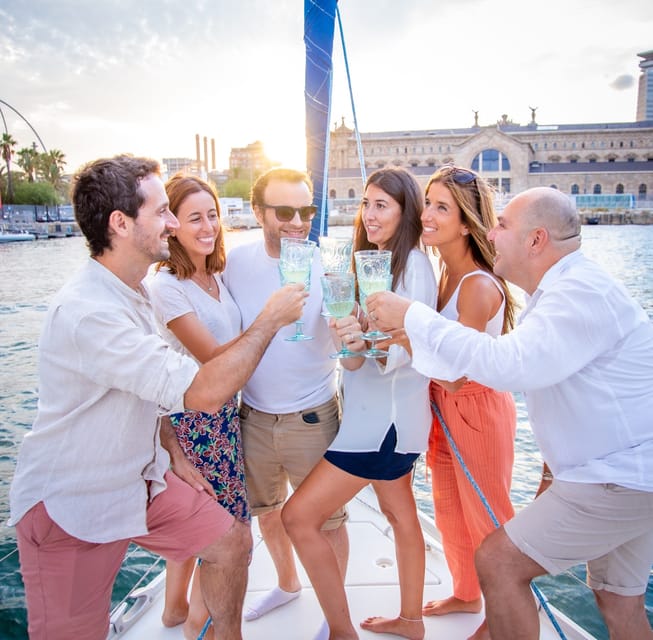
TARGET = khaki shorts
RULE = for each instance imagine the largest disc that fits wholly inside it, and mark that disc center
(606, 525)
(283, 448)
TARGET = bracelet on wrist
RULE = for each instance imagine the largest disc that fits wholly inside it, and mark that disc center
(547, 475)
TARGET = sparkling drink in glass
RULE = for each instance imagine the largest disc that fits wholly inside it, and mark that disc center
(373, 272)
(339, 296)
(295, 261)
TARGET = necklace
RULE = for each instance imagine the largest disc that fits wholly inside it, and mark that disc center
(207, 285)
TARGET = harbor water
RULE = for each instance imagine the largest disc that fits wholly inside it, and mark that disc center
(31, 272)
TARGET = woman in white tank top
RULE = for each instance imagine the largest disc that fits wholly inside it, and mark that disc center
(458, 214)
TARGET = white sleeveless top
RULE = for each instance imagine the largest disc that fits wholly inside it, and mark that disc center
(495, 323)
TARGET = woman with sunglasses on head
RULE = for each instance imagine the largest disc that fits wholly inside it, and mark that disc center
(198, 316)
(458, 213)
(385, 424)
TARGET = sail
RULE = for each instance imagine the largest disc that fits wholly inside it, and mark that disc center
(319, 23)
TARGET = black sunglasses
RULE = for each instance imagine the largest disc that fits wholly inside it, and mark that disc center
(461, 176)
(285, 213)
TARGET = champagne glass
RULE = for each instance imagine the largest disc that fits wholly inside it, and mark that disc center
(339, 295)
(335, 254)
(373, 271)
(295, 261)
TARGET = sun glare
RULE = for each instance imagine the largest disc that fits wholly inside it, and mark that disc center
(287, 149)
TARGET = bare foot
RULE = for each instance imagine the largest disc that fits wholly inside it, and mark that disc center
(451, 605)
(482, 633)
(171, 617)
(411, 629)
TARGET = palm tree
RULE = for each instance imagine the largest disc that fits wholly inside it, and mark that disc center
(7, 146)
(51, 166)
(27, 160)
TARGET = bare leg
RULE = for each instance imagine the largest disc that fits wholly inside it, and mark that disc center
(482, 633)
(324, 490)
(178, 574)
(289, 587)
(223, 578)
(451, 605)
(625, 616)
(398, 504)
(280, 548)
(505, 574)
(197, 613)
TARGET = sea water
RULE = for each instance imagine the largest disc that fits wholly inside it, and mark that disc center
(31, 272)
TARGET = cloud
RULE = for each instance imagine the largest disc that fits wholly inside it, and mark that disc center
(623, 82)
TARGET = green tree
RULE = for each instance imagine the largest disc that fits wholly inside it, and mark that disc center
(27, 161)
(8, 146)
(35, 193)
(236, 188)
(50, 167)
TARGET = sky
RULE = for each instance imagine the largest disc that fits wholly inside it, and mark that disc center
(99, 78)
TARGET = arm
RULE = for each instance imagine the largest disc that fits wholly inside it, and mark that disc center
(478, 302)
(546, 480)
(194, 335)
(179, 463)
(219, 378)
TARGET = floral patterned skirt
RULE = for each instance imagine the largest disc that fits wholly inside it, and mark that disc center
(213, 444)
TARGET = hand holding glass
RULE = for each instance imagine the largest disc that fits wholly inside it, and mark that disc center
(339, 295)
(373, 272)
(295, 261)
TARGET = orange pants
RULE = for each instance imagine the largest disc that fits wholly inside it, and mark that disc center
(482, 423)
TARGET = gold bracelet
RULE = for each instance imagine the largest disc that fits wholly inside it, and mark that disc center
(547, 475)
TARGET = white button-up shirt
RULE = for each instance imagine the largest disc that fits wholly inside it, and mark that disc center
(104, 377)
(582, 353)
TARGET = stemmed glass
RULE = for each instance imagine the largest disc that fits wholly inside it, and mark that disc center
(335, 254)
(295, 261)
(339, 295)
(373, 271)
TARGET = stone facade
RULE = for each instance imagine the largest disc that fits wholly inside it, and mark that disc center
(607, 158)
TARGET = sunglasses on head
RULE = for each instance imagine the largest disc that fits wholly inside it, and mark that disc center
(285, 213)
(461, 176)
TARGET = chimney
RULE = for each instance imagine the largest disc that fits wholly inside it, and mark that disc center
(212, 154)
(206, 156)
(197, 151)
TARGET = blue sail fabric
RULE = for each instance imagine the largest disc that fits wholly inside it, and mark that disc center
(319, 23)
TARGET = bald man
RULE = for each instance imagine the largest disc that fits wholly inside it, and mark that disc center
(582, 354)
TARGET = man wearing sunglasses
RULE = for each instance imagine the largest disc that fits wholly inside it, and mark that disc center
(582, 353)
(289, 413)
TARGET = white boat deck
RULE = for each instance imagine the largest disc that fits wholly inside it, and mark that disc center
(372, 589)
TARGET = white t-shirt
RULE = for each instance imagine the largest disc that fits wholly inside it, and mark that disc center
(291, 376)
(375, 396)
(582, 353)
(173, 298)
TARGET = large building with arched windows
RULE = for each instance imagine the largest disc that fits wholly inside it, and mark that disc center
(581, 159)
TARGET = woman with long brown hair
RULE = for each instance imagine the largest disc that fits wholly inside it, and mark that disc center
(458, 214)
(385, 425)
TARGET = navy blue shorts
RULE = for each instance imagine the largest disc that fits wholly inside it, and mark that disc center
(384, 464)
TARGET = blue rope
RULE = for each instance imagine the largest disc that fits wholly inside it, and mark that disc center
(205, 628)
(488, 508)
(359, 145)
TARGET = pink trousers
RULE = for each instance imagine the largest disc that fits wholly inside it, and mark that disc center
(482, 423)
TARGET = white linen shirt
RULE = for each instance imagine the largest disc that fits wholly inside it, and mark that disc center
(583, 355)
(377, 396)
(105, 376)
